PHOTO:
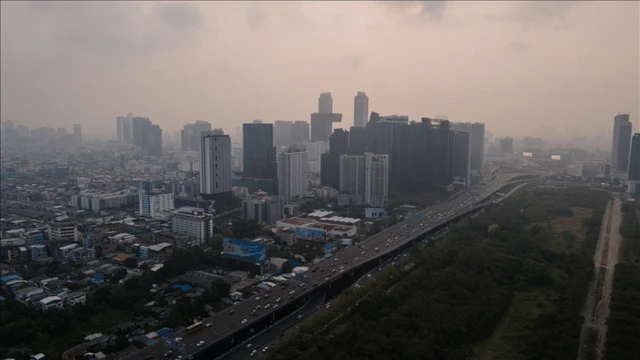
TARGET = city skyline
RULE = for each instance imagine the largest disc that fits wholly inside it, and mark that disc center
(522, 69)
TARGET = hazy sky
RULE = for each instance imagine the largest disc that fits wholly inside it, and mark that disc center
(513, 65)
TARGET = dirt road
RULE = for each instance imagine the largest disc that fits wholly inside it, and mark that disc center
(596, 309)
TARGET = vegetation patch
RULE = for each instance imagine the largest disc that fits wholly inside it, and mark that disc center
(483, 292)
(623, 323)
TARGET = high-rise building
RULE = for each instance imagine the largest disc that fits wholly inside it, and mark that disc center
(322, 125)
(360, 109)
(282, 133)
(262, 208)
(124, 128)
(330, 162)
(315, 150)
(357, 141)
(634, 165)
(193, 222)
(352, 177)
(293, 174)
(215, 166)
(191, 133)
(462, 157)
(476, 130)
(299, 132)
(259, 154)
(325, 103)
(376, 187)
(621, 143)
(146, 136)
(77, 133)
(506, 146)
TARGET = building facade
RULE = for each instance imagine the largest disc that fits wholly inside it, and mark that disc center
(376, 187)
(293, 174)
(621, 146)
(192, 222)
(215, 166)
(262, 208)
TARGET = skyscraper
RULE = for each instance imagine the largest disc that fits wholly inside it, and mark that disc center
(330, 162)
(357, 141)
(506, 146)
(191, 133)
(325, 103)
(352, 177)
(621, 143)
(259, 154)
(292, 174)
(215, 166)
(282, 133)
(462, 156)
(300, 132)
(360, 109)
(634, 165)
(146, 136)
(77, 133)
(476, 130)
(376, 187)
(124, 128)
(322, 125)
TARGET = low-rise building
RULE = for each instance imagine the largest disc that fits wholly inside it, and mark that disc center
(193, 222)
(51, 302)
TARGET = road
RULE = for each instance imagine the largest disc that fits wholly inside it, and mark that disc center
(272, 334)
(596, 309)
(386, 241)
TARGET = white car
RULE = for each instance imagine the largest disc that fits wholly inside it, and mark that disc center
(244, 321)
(267, 306)
(249, 346)
(278, 300)
(200, 343)
(253, 353)
(257, 298)
(208, 325)
(266, 348)
(178, 339)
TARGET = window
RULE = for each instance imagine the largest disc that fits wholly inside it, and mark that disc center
(216, 184)
(215, 148)
(216, 167)
(215, 158)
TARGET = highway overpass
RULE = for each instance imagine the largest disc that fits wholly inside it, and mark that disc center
(332, 275)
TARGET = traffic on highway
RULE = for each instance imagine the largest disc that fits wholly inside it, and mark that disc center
(241, 315)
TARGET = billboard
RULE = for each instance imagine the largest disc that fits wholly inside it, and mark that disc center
(556, 157)
(244, 250)
(527, 154)
(309, 234)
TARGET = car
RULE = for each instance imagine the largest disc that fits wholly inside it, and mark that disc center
(249, 346)
(179, 357)
(335, 259)
(299, 316)
(267, 306)
(200, 343)
(257, 298)
(266, 296)
(253, 312)
(266, 348)
(207, 325)
(302, 285)
(275, 306)
(178, 339)
(292, 292)
(341, 271)
(376, 249)
(362, 253)
(387, 245)
(326, 279)
(231, 312)
(168, 353)
(278, 299)
(253, 353)
(258, 307)
(244, 321)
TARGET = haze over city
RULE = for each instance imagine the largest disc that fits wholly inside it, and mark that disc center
(516, 66)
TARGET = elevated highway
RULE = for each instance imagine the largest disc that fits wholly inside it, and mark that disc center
(332, 275)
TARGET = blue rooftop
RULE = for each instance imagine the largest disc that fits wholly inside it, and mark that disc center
(183, 287)
(164, 332)
(5, 279)
(98, 276)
